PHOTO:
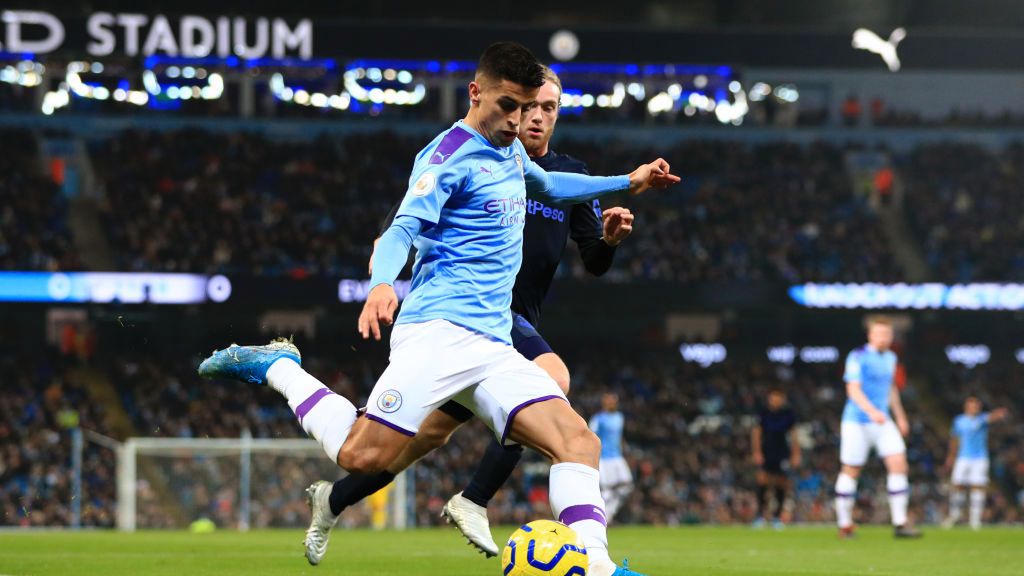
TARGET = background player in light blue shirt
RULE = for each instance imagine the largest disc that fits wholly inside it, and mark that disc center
(871, 396)
(968, 460)
(616, 478)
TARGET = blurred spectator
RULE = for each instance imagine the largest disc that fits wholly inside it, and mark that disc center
(34, 233)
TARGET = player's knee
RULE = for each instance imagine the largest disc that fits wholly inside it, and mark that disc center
(362, 460)
(582, 446)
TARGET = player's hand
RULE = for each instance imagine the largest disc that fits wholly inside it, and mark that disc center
(759, 458)
(877, 417)
(948, 466)
(618, 225)
(379, 310)
(654, 175)
(998, 414)
(904, 426)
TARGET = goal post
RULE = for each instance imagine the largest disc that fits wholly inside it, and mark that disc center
(241, 482)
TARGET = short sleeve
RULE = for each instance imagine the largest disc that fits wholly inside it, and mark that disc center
(430, 186)
(852, 373)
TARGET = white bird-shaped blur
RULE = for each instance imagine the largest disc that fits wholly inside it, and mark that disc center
(864, 39)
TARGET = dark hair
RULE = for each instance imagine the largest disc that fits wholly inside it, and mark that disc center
(513, 62)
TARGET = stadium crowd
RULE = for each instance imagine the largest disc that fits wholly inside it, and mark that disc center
(242, 203)
(42, 398)
(205, 202)
(34, 232)
(691, 457)
(966, 207)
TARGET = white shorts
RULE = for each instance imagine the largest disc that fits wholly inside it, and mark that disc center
(857, 440)
(970, 472)
(436, 361)
(615, 471)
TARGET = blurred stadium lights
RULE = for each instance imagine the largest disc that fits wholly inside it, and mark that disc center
(103, 287)
(975, 296)
(300, 96)
(704, 355)
(789, 353)
(564, 45)
(25, 73)
(213, 89)
(969, 355)
(385, 91)
(371, 85)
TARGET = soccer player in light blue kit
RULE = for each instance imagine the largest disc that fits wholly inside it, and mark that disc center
(968, 444)
(871, 395)
(616, 478)
(464, 211)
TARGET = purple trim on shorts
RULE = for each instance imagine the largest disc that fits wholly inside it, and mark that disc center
(844, 494)
(451, 142)
(512, 414)
(581, 512)
(394, 427)
(310, 402)
(898, 492)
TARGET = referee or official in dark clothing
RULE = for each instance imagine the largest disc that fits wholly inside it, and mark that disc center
(774, 443)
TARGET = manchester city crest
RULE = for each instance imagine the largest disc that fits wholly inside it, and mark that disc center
(390, 401)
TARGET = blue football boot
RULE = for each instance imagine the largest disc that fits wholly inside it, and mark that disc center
(624, 570)
(248, 363)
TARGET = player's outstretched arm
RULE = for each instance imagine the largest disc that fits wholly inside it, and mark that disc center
(384, 228)
(657, 174)
(568, 187)
(997, 415)
(390, 256)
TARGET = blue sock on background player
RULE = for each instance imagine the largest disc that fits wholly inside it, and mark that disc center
(494, 470)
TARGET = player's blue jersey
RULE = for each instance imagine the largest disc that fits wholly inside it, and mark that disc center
(474, 194)
(471, 197)
(875, 371)
(972, 431)
(609, 427)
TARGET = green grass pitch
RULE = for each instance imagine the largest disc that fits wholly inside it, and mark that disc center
(655, 551)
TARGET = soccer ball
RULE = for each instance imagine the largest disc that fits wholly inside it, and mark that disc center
(544, 548)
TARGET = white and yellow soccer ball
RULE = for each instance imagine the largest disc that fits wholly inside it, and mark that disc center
(544, 548)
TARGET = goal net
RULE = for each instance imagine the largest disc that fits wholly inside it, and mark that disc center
(236, 483)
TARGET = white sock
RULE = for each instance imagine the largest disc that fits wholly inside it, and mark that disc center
(846, 495)
(899, 496)
(575, 495)
(611, 502)
(324, 415)
(977, 506)
(621, 492)
(956, 504)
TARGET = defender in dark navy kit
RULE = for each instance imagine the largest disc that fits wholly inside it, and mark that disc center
(547, 228)
(772, 446)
